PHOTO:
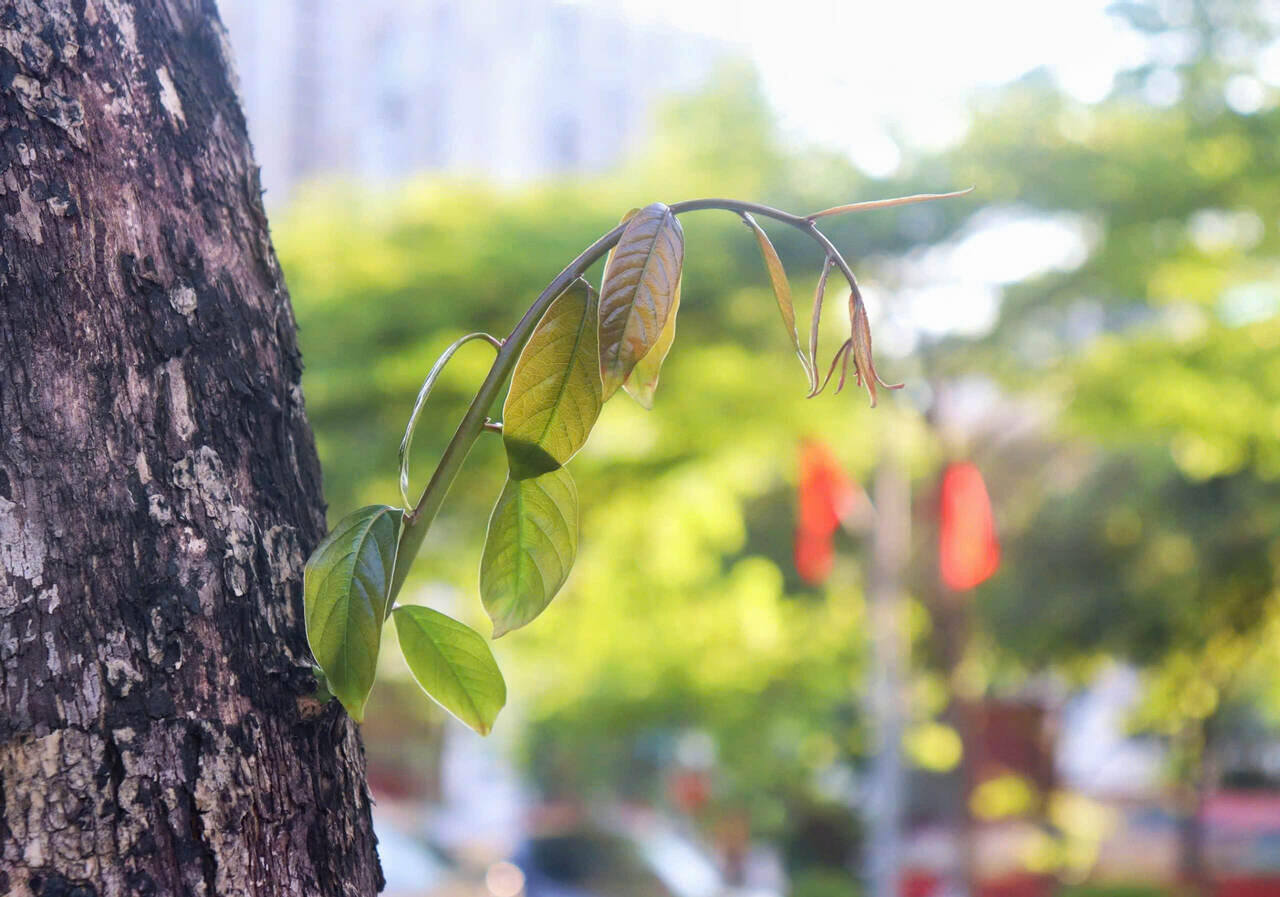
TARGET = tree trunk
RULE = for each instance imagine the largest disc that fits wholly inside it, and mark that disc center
(159, 488)
(1193, 793)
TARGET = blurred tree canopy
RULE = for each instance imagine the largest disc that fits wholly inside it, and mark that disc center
(1139, 513)
(1160, 350)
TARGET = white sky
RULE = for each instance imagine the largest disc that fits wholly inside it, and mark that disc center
(839, 71)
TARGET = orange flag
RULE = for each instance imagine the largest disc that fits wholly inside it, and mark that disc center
(826, 496)
(969, 552)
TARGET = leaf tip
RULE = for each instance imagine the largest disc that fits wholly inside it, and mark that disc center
(354, 710)
(642, 395)
(527, 460)
(610, 382)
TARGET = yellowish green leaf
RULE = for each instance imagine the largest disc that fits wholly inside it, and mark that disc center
(345, 587)
(530, 548)
(453, 664)
(555, 390)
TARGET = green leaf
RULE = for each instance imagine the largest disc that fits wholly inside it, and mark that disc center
(345, 587)
(530, 548)
(453, 664)
(636, 294)
(643, 382)
(555, 390)
(781, 291)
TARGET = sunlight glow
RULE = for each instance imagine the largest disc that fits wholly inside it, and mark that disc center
(855, 76)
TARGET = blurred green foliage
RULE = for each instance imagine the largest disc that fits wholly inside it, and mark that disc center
(1158, 541)
(823, 883)
(1139, 514)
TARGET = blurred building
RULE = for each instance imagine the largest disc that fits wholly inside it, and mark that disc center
(1097, 753)
(505, 89)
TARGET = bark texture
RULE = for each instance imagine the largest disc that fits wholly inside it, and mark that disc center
(159, 488)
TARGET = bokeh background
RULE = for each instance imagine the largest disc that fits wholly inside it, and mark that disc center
(1090, 341)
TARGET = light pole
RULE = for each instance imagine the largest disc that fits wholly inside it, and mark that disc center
(890, 545)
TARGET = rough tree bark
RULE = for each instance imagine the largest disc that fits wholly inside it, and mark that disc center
(159, 489)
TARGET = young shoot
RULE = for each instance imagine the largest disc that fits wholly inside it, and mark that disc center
(573, 349)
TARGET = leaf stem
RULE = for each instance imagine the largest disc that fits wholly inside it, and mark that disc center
(419, 520)
(799, 222)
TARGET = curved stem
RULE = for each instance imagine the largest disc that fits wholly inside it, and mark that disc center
(418, 521)
(406, 443)
(739, 206)
(835, 256)
(799, 222)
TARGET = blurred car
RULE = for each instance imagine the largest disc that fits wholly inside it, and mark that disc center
(413, 867)
(603, 861)
(1243, 830)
